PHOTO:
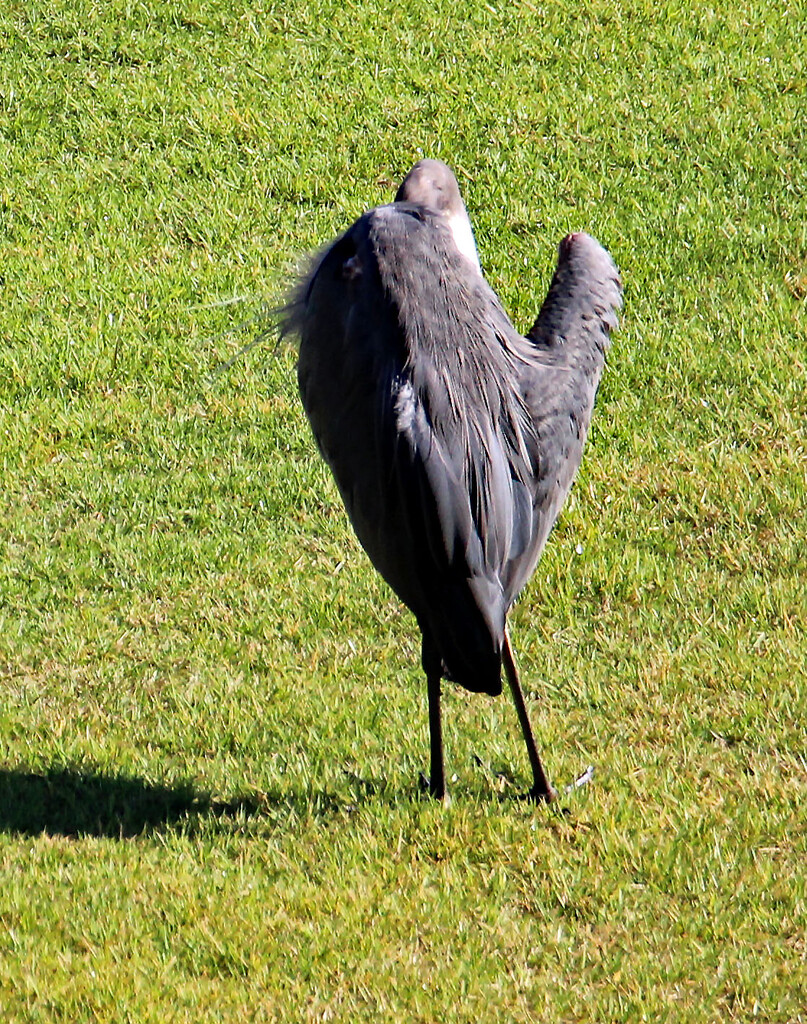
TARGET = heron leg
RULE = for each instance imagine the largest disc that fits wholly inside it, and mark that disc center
(437, 779)
(541, 790)
(433, 667)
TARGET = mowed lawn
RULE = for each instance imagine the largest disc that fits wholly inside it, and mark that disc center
(212, 716)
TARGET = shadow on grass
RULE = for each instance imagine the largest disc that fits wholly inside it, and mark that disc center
(77, 802)
(72, 802)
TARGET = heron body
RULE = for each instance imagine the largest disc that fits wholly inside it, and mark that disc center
(452, 438)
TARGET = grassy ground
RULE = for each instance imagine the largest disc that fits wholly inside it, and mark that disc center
(211, 713)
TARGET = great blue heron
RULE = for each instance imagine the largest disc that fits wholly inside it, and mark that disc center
(453, 439)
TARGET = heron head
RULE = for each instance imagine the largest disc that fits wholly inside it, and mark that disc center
(432, 184)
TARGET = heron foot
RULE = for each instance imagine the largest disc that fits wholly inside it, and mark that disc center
(541, 796)
(436, 790)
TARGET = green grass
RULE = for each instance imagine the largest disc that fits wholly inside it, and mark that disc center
(211, 712)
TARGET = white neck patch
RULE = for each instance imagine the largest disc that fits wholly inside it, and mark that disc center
(460, 227)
